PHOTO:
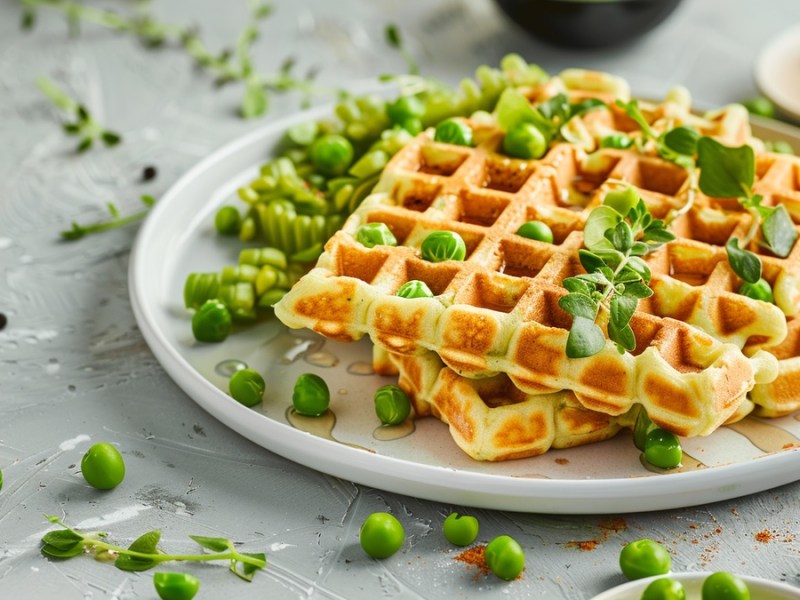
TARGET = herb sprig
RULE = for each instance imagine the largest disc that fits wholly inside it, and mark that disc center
(143, 553)
(78, 231)
(617, 235)
(227, 66)
(395, 40)
(82, 124)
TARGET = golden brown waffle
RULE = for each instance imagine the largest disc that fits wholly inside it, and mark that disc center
(497, 311)
(490, 418)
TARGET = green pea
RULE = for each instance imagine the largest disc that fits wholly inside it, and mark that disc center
(760, 106)
(404, 108)
(332, 154)
(102, 466)
(412, 125)
(644, 558)
(311, 396)
(760, 290)
(375, 234)
(212, 322)
(620, 141)
(443, 245)
(247, 387)
(664, 589)
(392, 405)
(453, 131)
(227, 221)
(381, 535)
(536, 230)
(460, 530)
(524, 140)
(505, 558)
(724, 586)
(176, 586)
(779, 147)
(662, 449)
(414, 289)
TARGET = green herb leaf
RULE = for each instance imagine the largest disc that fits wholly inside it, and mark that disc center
(215, 544)
(513, 108)
(637, 289)
(623, 337)
(585, 338)
(254, 102)
(724, 171)
(246, 570)
(590, 261)
(621, 236)
(52, 551)
(111, 138)
(682, 140)
(144, 544)
(577, 286)
(622, 309)
(579, 305)
(555, 108)
(640, 267)
(62, 539)
(743, 262)
(779, 231)
(600, 220)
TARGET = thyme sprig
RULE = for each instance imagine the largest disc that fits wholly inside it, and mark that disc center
(81, 123)
(617, 235)
(227, 66)
(143, 553)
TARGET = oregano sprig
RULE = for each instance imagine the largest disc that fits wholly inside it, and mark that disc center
(143, 553)
(82, 125)
(77, 231)
(617, 235)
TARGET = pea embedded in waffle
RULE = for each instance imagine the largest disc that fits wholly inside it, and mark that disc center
(497, 311)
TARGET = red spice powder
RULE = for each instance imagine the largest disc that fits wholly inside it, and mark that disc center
(475, 557)
(584, 545)
(763, 536)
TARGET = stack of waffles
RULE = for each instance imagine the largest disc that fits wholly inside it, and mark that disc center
(486, 354)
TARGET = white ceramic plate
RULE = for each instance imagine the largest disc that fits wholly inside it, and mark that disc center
(420, 460)
(760, 589)
(777, 72)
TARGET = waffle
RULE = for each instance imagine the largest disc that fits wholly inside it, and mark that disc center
(490, 418)
(497, 311)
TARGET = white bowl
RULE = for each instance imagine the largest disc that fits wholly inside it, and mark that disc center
(760, 589)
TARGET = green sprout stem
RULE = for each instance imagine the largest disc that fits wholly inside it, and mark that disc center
(79, 231)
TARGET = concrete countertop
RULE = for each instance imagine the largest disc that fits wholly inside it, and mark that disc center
(75, 369)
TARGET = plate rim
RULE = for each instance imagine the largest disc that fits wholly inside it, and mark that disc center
(431, 482)
(764, 66)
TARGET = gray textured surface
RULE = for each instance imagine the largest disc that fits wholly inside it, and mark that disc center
(74, 368)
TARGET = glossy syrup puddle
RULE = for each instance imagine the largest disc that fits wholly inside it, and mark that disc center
(768, 438)
(226, 368)
(688, 463)
(321, 426)
(387, 433)
(321, 358)
(365, 368)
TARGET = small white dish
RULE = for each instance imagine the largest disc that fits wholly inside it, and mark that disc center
(777, 72)
(760, 589)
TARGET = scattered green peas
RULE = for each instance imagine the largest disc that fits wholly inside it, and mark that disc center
(247, 387)
(460, 530)
(405, 108)
(536, 230)
(381, 535)
(176, 586)
(662, 449)
(620, 141)
(212, 322)
(311, 396)
(760, 290)
(414, 289)
(761, 106)
(102, 466)
(375, 234)
(644, 558)
(392, 405)
(724, 586)
(453, 131)
(524, 140)
(443, 245)
(332, 154)
(664, 589)
(505, 558)
(227, 221)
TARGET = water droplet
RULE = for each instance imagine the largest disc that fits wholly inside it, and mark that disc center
(322, 359)
(298, 348)
(387, 433)
(360, 368)
(228, 367)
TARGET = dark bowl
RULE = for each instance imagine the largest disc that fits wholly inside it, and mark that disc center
(588, 23)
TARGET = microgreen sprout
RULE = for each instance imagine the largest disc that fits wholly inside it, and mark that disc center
(78, 231)
(227, 66)
(82, 124)
(616, 236)
(143, 553)
(395, 40)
